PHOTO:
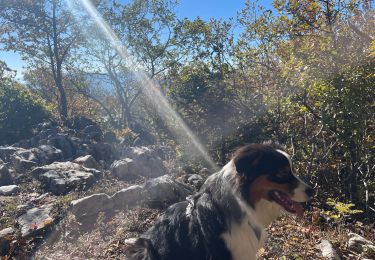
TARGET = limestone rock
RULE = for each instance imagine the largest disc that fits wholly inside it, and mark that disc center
(91, 205)
(164, 191)
(138, 162)
(64, 143)
(128, 197)
(6, 236)
(35, 220)
(9, 190)
(359, 244)
(62, 177)
(328, 251)
(7, 151)
(104, 151)
(88, 161)
(5, 177)
(125, 169)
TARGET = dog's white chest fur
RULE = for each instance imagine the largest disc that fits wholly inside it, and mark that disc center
(244, 239)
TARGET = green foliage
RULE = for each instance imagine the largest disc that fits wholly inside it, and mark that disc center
(341, 209)
(19, 112)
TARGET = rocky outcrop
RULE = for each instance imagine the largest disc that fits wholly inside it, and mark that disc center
(62, 177)
(7, 151)
(156, 193)
(23, 160)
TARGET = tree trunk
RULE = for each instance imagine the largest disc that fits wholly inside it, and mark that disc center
(63, 100)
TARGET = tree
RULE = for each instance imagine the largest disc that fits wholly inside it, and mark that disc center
(20, 111)
(43, 32)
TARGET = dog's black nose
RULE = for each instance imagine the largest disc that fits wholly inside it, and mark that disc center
(310, 191)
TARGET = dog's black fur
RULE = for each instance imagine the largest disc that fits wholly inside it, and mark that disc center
(193, 229)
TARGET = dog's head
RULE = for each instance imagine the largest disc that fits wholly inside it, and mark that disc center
(264, 172)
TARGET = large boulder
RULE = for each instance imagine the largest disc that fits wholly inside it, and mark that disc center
(48, 154)
(5, 177)
(88, 208)
(138, 162)
(156, 193)
(23, 161)
(128, 197)
(163, 191)
(125, 169)
(62, 177)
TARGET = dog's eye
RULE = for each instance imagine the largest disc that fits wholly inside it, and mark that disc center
(283, 174)
(281, 177)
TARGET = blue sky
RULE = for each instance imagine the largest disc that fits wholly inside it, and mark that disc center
(191, 9)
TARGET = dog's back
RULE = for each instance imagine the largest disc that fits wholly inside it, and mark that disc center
(184, 232)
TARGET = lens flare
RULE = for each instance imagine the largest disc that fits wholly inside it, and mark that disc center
(171, 118)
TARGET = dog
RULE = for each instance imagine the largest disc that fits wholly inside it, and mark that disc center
(226, 219)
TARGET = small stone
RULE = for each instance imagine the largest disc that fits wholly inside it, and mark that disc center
(328, 250)
(87, 161)
(356, 242)
(204, 172)
(369, 251)
(35, 220)
(9, 190)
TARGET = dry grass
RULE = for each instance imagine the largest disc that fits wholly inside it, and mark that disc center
(104, 239)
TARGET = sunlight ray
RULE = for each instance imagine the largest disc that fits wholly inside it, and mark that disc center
(172, 119)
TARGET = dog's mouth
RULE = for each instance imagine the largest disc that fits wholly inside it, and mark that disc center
(283, 200)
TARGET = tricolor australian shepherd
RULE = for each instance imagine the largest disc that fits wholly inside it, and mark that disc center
(226, 219)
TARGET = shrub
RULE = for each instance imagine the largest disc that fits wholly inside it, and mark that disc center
(20, 111)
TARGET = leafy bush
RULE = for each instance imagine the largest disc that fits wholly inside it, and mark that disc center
(340, 209)
(20, 111)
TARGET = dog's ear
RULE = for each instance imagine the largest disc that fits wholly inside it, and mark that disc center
(246, 162)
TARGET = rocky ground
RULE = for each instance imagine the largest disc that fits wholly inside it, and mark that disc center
(79, 193)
